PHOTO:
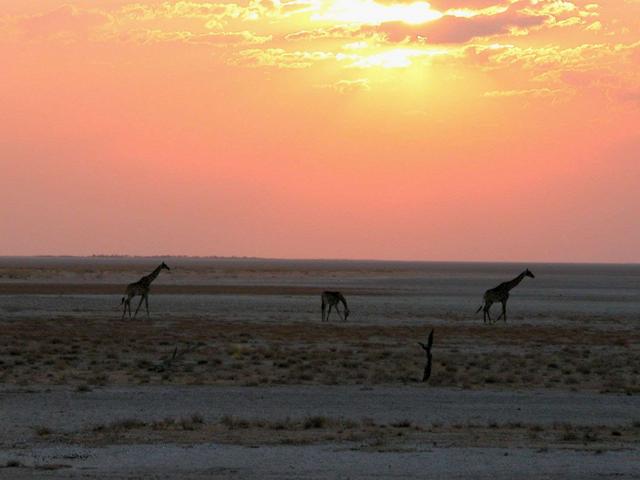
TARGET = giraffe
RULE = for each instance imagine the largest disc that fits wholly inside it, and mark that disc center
(332, 299)
(501, 294)
(141, 287)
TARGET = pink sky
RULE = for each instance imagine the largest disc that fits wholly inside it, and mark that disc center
(449, 130)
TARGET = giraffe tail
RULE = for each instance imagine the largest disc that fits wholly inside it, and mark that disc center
(480, 308)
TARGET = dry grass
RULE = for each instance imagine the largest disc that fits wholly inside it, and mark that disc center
(93, 353)
(366, 433)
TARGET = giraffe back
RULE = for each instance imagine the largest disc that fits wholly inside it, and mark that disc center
(137, 288)
(496, 294)
(331, 298)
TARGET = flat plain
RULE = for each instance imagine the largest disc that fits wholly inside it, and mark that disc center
(234, 374)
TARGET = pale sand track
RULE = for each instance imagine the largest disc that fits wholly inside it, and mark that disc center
(62, 409)
(320, 462)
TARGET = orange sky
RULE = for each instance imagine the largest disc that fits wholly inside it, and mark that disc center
(448, 130)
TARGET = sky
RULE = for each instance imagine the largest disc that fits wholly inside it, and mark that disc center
(483, 130)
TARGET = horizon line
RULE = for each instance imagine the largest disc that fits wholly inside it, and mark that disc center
(320, 259)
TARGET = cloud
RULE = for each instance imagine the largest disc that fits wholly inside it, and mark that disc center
(145, 36)
(531, 92)
(541, 59)
(66, 20)
(279, 58)
(339, 31)
(213, 14)
(550, 7)
(597, 70)
(595, 27)
(344, 87)
(230, 38)
(181, 9)
(452, 29)
(443, 5)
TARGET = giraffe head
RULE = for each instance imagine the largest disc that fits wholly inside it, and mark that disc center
(165, 266)
(528, 273)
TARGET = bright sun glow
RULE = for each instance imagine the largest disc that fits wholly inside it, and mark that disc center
(370, 12)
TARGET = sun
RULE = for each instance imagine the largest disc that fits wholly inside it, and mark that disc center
(373, 13)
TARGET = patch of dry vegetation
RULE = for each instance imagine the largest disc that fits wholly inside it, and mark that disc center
(365, 433)
(93, 353)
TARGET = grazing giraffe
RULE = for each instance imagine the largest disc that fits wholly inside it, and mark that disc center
(141, 287)
(332, 299)
(501, 294)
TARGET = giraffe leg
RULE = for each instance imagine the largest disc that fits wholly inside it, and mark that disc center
(146, 304)
(504, 311)
(139, 305)
(329, 312)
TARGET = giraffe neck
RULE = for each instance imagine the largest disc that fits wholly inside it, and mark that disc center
(152, 276)
(514, 283)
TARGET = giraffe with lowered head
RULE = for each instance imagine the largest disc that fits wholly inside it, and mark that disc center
(141, 287)
(331, 300)
(501, 294)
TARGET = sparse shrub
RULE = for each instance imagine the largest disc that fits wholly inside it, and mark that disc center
(402, 424)
(101, 380)
(126, 424)
(314, 422)
(234, 423)
(569, 436)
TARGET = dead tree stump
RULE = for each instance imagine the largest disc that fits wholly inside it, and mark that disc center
(427, 350)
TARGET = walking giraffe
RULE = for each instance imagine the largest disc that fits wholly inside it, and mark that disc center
(332, 299)
(141, 287)
(501, 294)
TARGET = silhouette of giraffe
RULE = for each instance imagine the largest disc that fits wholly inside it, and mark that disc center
(332, 299)
(141, 287)
(501, 294)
